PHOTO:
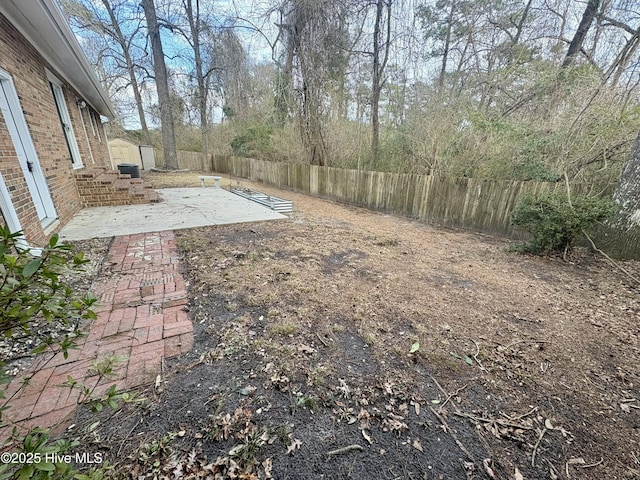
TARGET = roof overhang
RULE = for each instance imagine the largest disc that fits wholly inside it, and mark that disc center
(45, 27)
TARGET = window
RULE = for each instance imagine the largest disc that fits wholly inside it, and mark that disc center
(65, 120)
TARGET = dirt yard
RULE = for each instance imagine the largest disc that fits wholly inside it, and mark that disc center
(344, 343)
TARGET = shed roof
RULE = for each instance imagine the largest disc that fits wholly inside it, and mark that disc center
(45, 27)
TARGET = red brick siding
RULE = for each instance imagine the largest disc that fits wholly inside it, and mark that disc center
(28, 70)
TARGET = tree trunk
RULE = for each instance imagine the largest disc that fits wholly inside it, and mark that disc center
(312, 137)
(620, 237)
(194, 27)
(162, 87)
(380, 57)
(576, 43)
(284, 79)
(375, 87)
(447, 45)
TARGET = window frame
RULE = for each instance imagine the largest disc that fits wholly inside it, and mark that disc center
(57, 91)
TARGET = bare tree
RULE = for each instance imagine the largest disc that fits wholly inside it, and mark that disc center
(233, 73)
(86, 16)
(162, 86)
(195, 27)
(315, 45)
(125, 44)
(193, 24)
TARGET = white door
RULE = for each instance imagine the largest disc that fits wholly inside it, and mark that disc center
(26, 152)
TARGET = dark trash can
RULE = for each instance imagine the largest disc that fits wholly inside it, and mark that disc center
(130, 169)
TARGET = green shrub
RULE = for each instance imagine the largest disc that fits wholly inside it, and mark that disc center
(33, 293)
(556, 223)
(532, 169)
(254, 141)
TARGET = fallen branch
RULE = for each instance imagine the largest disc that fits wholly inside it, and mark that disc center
(164, 170)
(322, 340)
(494, 420)
(449, 396)
(454, 394)
(453, 435)
(486, 463)
(611, 260)
(475, 357)
(519, 417)
(128, 436)
(535, 447)
(591, 465)
(523, 341)
(347, 449)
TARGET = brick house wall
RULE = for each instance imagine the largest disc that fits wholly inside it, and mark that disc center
(28, 70)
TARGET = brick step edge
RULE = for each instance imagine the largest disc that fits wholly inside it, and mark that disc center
(101, 187)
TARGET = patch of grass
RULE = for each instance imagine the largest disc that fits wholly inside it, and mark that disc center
(262, 300)
(193, 243)
(272, 348)
(253, 440)
(284, 433)
(152, 453)
(232, 306)
(317, 376)
(284, 328)
(259, 255)
(338, 328)
(368, 337)
(388, 242)
(306, 288)
(306, 401)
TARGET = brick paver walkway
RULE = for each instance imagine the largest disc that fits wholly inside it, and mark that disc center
(141, 317)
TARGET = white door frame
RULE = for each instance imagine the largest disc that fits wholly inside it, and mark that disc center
(25, 151)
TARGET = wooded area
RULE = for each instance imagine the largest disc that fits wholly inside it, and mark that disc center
(543, 90)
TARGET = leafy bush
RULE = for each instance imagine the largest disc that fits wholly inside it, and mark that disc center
(253, 141)
(532, 169)
(556, 223)
(34, 295)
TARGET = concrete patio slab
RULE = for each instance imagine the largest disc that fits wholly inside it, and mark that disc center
(180, 208)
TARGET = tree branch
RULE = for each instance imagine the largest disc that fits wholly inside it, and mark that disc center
(611, 260)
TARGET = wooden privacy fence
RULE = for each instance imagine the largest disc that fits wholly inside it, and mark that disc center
(189, 160)
(473, 203)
